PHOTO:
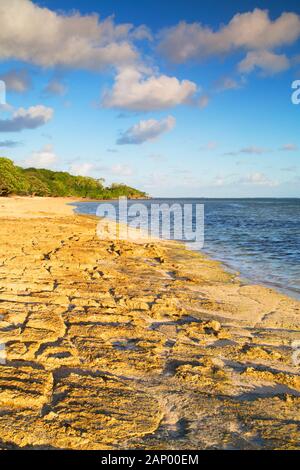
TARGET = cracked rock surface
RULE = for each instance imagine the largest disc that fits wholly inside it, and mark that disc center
(113, 345)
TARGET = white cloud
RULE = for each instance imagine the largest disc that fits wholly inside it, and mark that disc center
(16, 80)
(81, 169)
(38, 35)
(90, 169)
(135, 90)
(30, 118)
(251, 31)
(146, 131)
(44, 158)
(267, 61)
(142, 32)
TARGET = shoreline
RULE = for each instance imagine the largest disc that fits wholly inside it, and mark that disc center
(70, 202)
(121, 344)
(230, 268)
(248, 280)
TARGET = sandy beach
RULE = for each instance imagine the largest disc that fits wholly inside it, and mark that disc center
(114, 345)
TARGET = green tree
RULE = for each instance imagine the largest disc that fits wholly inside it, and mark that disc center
(12, 180)
(43, 182)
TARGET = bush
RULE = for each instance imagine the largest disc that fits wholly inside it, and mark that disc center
(12, 179)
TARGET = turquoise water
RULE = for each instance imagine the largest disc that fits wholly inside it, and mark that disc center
(260, 238)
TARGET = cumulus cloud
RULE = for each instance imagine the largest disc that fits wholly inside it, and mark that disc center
(44, 158)
(38, 35)
(30, 118)
(251, 31)
(146, 131)
(142, 32)
(80, 168)
(16, 80)
(43, 37)
(135, 90)
(269, 62)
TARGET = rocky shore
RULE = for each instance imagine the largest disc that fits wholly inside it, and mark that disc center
(114, 345)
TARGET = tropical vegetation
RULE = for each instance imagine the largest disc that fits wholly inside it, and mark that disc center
(42, 182)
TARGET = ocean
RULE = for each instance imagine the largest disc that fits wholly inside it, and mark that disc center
(259, 238)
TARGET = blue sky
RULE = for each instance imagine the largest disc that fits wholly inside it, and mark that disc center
(193, 100)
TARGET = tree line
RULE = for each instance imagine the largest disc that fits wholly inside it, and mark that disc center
(42, 182)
